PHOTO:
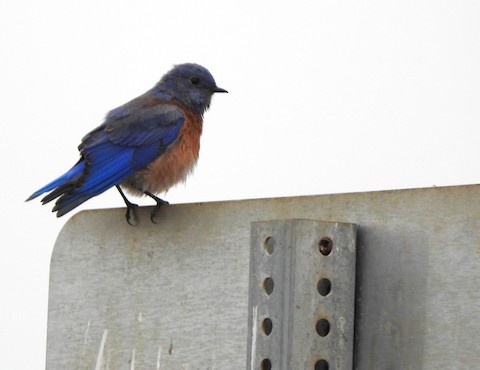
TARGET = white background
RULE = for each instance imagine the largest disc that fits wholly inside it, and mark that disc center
(325, 97)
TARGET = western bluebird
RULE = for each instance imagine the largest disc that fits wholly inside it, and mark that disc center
(145, 146)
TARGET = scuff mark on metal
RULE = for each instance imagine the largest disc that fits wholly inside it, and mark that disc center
(85, 338)
(254, 336)
(159, 353)
(132, 361)
(170, 349)
(101, 349)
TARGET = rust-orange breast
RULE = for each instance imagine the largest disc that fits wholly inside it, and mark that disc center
(175, 164)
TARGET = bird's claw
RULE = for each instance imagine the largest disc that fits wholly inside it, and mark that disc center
(160, 203)
(153, 215)
(131, 210)
(155, 211)
(130, 206)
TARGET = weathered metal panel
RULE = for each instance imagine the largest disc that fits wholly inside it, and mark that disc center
(175, 295)
(302, 290)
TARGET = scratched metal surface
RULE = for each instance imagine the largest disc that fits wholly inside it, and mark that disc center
(175, 295)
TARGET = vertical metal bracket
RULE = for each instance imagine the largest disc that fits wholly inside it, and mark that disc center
(301, 295)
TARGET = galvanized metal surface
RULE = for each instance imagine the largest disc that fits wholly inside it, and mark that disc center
(175, 295)
(302, 290)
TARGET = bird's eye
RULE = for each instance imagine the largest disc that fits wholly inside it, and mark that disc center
(195, 80)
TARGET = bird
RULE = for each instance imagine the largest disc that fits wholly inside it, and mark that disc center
(145, 146)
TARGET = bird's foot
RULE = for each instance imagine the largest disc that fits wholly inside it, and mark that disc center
(131, 211)
(160, 203)
(130, 207)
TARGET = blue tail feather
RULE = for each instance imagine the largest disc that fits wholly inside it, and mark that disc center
(97, 183)
(106, 169)
(72, 174)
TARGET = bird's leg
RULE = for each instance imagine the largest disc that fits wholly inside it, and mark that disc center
(130, 206)
(160, 203)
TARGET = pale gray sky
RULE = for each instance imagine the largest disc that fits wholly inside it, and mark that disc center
(325, 97)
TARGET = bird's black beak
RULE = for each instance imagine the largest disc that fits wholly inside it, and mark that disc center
(219, 89)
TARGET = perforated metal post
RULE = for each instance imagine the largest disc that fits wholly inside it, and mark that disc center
(301, 295)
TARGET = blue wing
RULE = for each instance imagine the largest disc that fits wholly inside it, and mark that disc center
(132, 136)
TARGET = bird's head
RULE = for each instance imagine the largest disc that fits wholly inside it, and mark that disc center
(191, 84)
